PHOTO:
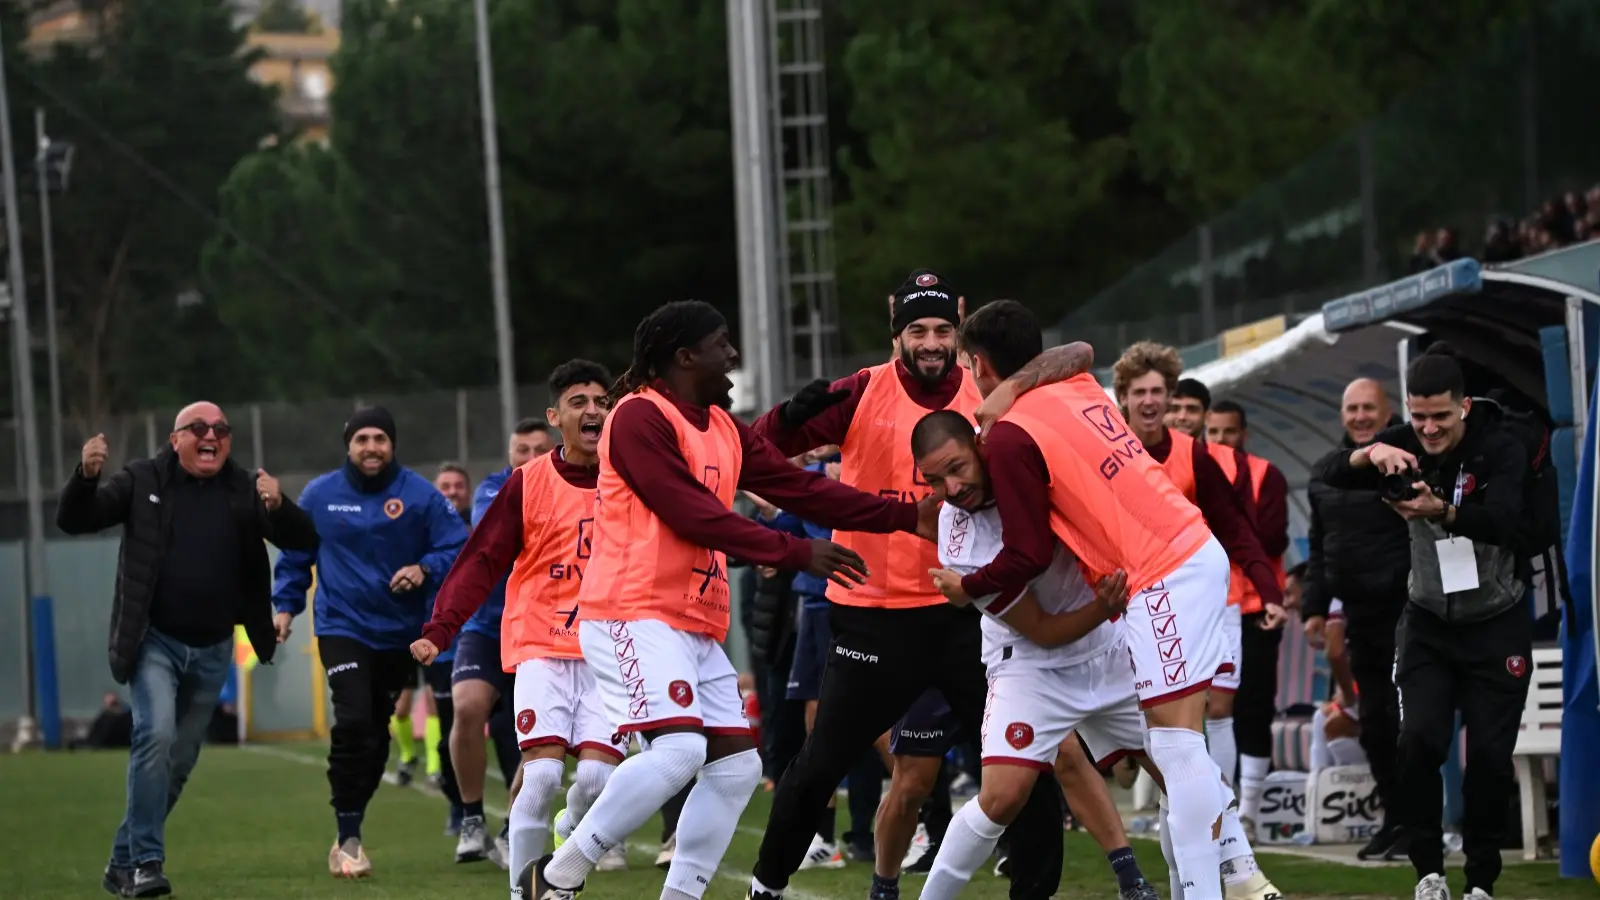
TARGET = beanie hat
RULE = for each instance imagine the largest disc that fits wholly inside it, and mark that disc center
(370, 417)
(924, 295)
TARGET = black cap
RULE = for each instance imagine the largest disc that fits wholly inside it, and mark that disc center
(924, 295)
(370, 417)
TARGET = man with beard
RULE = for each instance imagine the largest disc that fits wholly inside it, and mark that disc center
(388, 538)
(1360, 557)
(654, 605)
(894, 636)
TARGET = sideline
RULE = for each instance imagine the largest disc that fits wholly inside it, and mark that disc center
(643, 849)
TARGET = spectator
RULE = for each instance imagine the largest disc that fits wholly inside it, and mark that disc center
(112, 727)
(191, 566)
(1422, 252)
(456, 486)
(1360, 554)
(1446, 246)
(1498, 243)
(390, 539)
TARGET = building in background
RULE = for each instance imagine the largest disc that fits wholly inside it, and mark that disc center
(297, 40)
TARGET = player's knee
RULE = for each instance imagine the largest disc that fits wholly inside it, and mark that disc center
(1421, 746)
(1219, 705)
(591, 777)
(733, 776)
(679, 755)
(1002, 798)
(541, 780)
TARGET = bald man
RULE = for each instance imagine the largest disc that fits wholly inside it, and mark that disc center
(192, 565)
(1360, 555)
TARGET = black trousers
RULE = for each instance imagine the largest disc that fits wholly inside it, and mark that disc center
(503, 734)
(365, 685)
(1481, 669)
(1256, 703)
(436, 680)
(1369, 643)
(881, 661)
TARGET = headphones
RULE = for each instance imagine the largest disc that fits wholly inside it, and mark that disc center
(1463, 415)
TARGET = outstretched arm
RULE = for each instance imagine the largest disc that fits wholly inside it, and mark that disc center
(814, 496)
(487, 556)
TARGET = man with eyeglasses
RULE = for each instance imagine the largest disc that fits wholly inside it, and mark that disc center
(192, 565)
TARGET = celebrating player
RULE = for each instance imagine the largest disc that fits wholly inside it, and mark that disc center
(540, 528)
(654, 605)
(1063, 460)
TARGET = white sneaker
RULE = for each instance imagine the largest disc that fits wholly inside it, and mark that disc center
(919, 846)
(349, 860)
(1256, 887)
(1433, 888)
(822, 855)
(500, 854)
(473, 845)
(1476, 894)
(664, 858)
(613, 860)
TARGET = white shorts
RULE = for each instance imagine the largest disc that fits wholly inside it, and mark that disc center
(651, 675)
(1177, 634)
(557, 704)
(1029, 712)
(1233, 625)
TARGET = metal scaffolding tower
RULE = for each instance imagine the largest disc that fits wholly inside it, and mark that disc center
(803, 158)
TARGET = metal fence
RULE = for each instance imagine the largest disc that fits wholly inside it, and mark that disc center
(1492, 140)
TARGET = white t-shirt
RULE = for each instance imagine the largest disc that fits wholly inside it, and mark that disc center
(968, 541)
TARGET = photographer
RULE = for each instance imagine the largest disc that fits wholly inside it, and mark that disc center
(1457, 476)
(1359, 557)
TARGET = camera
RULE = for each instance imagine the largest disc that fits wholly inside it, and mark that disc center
(1400, 486)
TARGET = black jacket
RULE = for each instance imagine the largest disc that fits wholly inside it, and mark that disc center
(1360, 550)
(772, 621)
(1491, 466)
(134, 499)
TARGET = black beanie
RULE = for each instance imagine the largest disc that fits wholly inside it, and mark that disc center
(370, 417)
(924, 295)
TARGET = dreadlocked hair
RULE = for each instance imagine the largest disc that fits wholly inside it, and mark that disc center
(660, 335)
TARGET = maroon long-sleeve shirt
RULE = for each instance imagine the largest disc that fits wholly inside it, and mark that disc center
(1272, 512)
(832, 424)
(495, 543)
(644, 452)
(1020, 483)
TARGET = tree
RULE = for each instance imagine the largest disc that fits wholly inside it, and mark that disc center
(285, 17)
(157, 133)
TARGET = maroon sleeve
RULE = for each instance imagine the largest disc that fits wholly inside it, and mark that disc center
(490, 550)
(826, 427)
(645, 453)
(1020, 482)
(815, 497)
(1230, 522)
(1272, 513)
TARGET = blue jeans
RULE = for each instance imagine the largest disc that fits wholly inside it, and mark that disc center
(173, 694)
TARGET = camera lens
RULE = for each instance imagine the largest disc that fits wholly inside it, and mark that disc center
(1399, 487)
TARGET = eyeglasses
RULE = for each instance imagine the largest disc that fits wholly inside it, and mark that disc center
(199, 429)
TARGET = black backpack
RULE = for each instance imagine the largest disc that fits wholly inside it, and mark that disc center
(1538, 542)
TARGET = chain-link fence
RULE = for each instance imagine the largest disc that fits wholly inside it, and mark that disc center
(1493, 140)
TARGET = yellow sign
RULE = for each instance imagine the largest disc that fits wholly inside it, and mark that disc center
(1249, 337)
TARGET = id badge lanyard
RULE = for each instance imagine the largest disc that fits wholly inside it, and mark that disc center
(1461, 486)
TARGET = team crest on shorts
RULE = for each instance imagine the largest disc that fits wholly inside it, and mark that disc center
(1517, 666)
(681, 693)
(1019, 735)
(393, 507)
(525, 720)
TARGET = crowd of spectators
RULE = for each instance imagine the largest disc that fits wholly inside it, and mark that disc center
(1560, 222)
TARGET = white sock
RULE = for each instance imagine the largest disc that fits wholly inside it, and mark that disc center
(1321, 758)
(1252, 784)
(587, 783)
(968, 841)
(1233, 846)
(530, 812)
(1194, 801)
(1346, 751)
(710, 816)
(1174, 881)
(639, 788)
(1223, 746)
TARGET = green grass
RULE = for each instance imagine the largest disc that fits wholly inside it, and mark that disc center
(256, 824)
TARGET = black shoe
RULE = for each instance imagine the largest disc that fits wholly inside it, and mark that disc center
(148, 881)
(1380, 843)
(116, 879)
(924, 863)
(1399, 850)
(1002, 866)
(532, 884)
(860, 851)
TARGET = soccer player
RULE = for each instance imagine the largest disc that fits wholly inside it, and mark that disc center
(1064, 462)
(480, 687)
(894, 637)
(540, 527)
(388, 537)
(1056, 662)
(1256, 703)
(654, 604)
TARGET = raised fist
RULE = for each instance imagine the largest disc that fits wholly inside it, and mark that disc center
(94, 456)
